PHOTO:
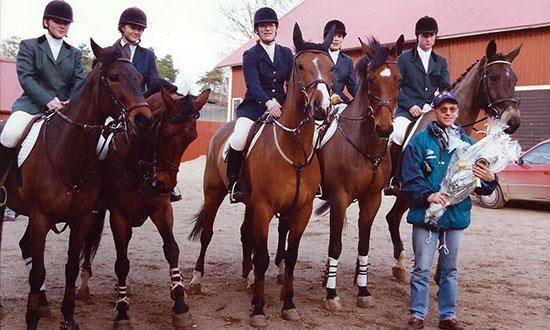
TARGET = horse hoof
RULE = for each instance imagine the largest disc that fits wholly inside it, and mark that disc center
(122, 325)
(83, 294)
(290, 315)
(44, 311)
(258, 321)
(399, 274)
(194, 289)
(280, 279)
(69, 325)
(332, 304)
(182, 321)
(365, 301)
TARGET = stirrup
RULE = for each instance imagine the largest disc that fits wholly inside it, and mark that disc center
(3, 196)
(235, 196)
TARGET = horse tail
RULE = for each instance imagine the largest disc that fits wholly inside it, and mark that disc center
(93, 237)
(199, 225)
(323, 208)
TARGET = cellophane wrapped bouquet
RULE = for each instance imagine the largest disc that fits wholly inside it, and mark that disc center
(495, 150)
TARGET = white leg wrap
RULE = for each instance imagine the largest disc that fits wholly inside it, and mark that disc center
(363, 267)
(237, 140)
(196, 280)
(331, 275)
(13, 130)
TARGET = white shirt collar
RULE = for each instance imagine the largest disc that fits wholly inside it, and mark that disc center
(424, 56)
(55, 44)
(334, 54)
(270, 50)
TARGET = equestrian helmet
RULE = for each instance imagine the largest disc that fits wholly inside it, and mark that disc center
(134, 16)
(265, 15)
(59, 10)
(426, 24)
(340, 27)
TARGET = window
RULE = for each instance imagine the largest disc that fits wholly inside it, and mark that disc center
(539, 155)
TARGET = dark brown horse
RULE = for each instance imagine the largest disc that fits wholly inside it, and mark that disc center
(60, 180)
(130, 202)
(488, 84)
(282, 175)
(355, 163)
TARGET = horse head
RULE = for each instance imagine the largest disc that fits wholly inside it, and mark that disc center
(313, 73)
(117, 88)
(174, 128)
(497, 87)
(382, 76)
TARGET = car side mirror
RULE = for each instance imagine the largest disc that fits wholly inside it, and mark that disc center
(520, 161)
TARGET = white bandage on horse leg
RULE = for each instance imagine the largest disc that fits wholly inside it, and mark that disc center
(196, 280)
(14, 128)
(331, 274)
(363, 267)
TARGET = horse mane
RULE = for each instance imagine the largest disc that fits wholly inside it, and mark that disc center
(310, 46)
(156, 83)
(495, 57)
(464, 74)
(380, 52)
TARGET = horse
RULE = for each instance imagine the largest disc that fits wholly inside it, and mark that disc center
(60, 179)
(130, 202)
(488, 84)
(354, 162)
(285, 150)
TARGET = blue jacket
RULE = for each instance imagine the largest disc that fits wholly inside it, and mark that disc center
(424, 148)
(343, 75)
(418, 87)
(43, 78)
(145, 64)
(264, 79)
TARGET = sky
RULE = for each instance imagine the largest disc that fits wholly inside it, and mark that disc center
(186, 29)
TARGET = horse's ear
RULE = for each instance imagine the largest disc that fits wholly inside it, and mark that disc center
(512, 55)
(167, 98)
(330, 37)
(399, 45)
(97, 50)
(491, 49)
(297, 37)
(366, 49)
(126, 52)
(201, 100)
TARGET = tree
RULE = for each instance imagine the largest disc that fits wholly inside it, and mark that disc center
(215, 80)
(10, 47)
(87, 58)
(165, 67)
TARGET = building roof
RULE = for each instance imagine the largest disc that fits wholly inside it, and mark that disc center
(10, 89)
(387, 19)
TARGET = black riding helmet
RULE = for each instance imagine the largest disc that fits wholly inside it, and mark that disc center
(134, 16)
(265, 15)
(59, 10)
(426, 24)
(340, 27)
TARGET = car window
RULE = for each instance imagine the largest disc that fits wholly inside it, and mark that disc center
(539, 155)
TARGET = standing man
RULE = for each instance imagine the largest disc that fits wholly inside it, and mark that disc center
(343, 74)
(424, 73)
(425, 163)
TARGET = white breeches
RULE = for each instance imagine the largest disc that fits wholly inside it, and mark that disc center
(400, 125)
(237, 140)
(13, 130)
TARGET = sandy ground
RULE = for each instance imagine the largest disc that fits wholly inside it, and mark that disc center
(504, 273)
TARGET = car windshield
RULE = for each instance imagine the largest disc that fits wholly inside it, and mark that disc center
(539, 155)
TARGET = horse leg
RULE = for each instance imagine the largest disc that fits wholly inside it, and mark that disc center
(213, 197)
(38, 228)
(122, 233)
(394, 219)
(260, 228)
(297, 225)
(281, 247)
(76, 239)
(163, 219)
(247, 243)
(338, 206)
(368, 207)
(25, 246)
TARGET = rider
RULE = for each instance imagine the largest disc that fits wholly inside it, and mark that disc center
(423, 74)
(49, 71)
(343, 74)
(266, 67)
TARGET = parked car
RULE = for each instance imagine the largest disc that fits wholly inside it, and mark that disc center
(527, 180)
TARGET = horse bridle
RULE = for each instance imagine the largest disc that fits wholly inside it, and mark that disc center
(489, 107)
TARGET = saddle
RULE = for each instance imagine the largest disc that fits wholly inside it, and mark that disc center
(28, 138)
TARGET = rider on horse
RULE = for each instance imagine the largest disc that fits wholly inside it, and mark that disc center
(266, 67)
(423, 74)
(343, 74)
(49, 71)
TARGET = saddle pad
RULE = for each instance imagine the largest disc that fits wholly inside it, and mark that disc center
(254, 139)
(412, 131)
(332, 128)
(29, 142)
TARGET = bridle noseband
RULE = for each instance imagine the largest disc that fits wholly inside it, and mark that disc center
(490, 104)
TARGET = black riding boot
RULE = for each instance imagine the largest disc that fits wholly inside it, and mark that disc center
(393, 186)
(234, 163)
(7, 158)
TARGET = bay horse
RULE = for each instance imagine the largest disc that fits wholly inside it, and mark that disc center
(355, 163)
(488, 84)
(60, 179)
(285, 150)
(130, 204)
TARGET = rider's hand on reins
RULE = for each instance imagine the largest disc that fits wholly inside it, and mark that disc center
(273, 107)
(55, 104)
(415, 110)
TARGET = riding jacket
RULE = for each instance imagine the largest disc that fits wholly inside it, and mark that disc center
(43, 78)
(418, 184)
(264, 79)
(144, 61)
(343, 75)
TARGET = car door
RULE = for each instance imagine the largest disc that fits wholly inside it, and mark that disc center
(530, 179)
